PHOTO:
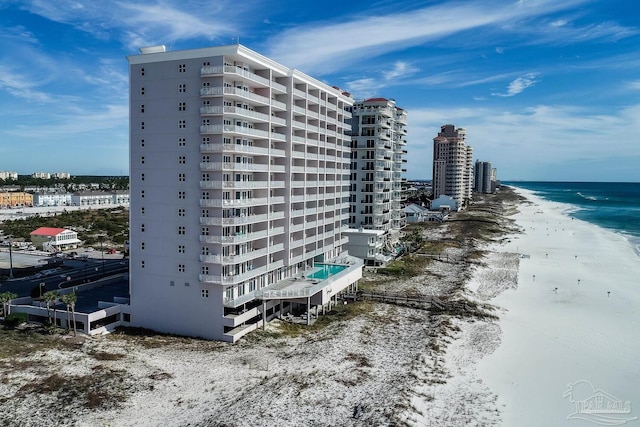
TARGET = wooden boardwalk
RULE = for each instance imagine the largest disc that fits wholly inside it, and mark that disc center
(426, 302)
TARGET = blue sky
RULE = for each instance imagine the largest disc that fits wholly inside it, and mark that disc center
(547, 89)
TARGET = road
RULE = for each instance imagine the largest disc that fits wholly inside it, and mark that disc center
(70, 273)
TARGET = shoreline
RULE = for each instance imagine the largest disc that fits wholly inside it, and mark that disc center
(571, 319)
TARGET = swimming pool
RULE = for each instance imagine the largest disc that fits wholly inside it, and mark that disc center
(326, 270)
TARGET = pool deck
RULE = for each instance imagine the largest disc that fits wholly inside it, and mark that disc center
(306, 287)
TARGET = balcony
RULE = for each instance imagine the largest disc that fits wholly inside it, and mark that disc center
(252, 167)
(235, 92)
(232, 203)
(232, 279)
(240, 237)
(231, 70)
(233, 259)
(241, 130)
(238, 220)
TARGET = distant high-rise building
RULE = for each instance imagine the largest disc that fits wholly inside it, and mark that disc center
(378, 142)
(239, 186)
(483, 177)
(8, 175)
(452, 164)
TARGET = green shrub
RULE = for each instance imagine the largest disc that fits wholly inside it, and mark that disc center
(14, 319)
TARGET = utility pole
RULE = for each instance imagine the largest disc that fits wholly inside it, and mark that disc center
(10, 259)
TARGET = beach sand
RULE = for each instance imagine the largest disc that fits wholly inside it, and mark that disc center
(574, 318)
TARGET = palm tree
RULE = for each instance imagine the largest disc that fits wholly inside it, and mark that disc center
(51, 297)
(5, 299)
(70, 301)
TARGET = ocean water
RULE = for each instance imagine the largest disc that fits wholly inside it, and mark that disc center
(612, 205)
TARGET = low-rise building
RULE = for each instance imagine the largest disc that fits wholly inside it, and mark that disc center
(52, 199)
(445, 203)
(15, 199)
(92, 198)
(54, 239)
(368, 245)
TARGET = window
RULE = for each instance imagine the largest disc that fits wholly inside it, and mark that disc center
(181, 249)
(182, 177)
(182, 160)
(205, 195)
(206, 140)
(182, 68)
(204, 270)
(206, 159)
(206, 177)
(204, 231)
(142, 125)
(182, 124)
(141, 177)
(142, 71)
(142, 143)
(181, 212)
(205, 293)
(142, 210)
(182, 106)
(181, 268)
(206, 64)
(142, 194)
(141, 264)
(182, 195)
(182, 88)
(182, 230)
(142, 90)
(172, 283)
(228, 293)
(142, 160)
(142, 109)
(182, 142)
(142, 246)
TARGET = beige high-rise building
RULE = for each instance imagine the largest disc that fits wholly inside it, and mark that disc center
(452, 164)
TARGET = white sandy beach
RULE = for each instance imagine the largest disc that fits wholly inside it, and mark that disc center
(578, 333)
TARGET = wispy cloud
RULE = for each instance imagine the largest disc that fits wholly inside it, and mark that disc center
(19, 86)
(18, 32)
(144, 22)
(322, 48)
(519, 85)
(369, 86)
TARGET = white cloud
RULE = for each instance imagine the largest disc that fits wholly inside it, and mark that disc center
(519, 85)
(322, 48)
(19, 86)
(366, 87)
(499, 50)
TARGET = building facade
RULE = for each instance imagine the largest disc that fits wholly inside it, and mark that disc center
(4, 175)
(378, 141)
(54, 239)
(15, 199)
(239, 186)
(452, 164)
(482, 176)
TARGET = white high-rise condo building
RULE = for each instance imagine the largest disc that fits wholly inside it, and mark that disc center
(378, 141)
(239, 192)
(452, 164)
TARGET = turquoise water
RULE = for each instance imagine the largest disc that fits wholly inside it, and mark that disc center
(326, 270)
(612, 205)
